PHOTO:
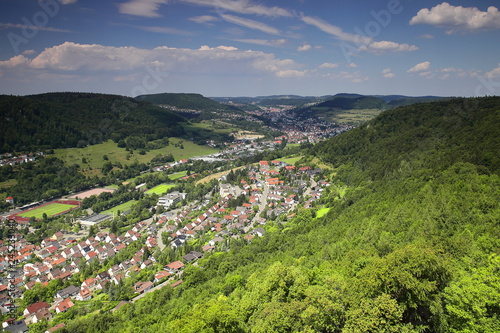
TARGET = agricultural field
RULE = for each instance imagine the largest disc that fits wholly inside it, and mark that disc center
(291, 160)
(160, 189)
(49, 209)
(122, 208)
(350, 117)
(216, 126)
(91, 158)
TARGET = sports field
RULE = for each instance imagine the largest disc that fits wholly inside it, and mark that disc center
(50, 209)
(160, 189)
(122, 208)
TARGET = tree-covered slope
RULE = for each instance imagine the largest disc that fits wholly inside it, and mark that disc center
(187, 101)
(409, 244)
(422, 136)
(62, 120)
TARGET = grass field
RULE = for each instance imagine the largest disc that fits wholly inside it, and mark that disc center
(122, 208)
(350, 117)
(322, 212)
(290, 160)
(177, 175)
(91, 158)
(160, 189)
(216, 126)
(50, 209)
(8, 183)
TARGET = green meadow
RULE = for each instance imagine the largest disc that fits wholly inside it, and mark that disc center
(50, 209)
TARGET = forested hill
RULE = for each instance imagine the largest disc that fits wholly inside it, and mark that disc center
(187, 101)
(62, 120)
(409, 243)
(422, 136)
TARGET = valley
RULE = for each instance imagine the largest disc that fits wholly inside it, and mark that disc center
(288, 214)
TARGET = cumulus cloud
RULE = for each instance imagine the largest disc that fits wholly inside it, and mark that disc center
(493, 73)
(386, 46)
(328, 65)
(305, 47)
(352, 65)
(145, 8)
(251, 24)
(387, 73)
(291, 73)
(242, 7)
(335, 31)
(122, 62)
(423, 66)
(458, 18)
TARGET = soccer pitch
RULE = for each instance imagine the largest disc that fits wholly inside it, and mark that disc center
(160, 189)
(50, 209)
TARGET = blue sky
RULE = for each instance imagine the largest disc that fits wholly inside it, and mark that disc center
(250, 47)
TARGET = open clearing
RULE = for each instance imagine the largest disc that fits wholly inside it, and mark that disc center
(350, 117)
(50, 209)
(322, 212)
(91, 158)
(122, 208)
(89, 193)
(160, 189)
(290, 160)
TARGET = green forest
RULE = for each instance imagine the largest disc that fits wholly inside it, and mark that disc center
(409, 243)
(66, 120)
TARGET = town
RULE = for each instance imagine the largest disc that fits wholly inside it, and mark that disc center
(96, 262)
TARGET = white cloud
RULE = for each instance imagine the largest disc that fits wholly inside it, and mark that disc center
(165, 30)
(335, 31)
(263, 42)
(457, 18)
(122, 62)
(427, 74)
(305, 47)
(444, 76)
(291, 73)
(251, 24)
(493, 73)
(352, 65)
(242, 7)
(355, 77)
(145, 8)
(67, 2)
(387, 73)
(423, 66)
(31, 27)
(328, 65)
(17, 61)
(386, 46)
(204, 19)
(426, 36)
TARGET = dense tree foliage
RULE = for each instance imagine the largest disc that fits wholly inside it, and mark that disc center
(409, 244)
(61, 120)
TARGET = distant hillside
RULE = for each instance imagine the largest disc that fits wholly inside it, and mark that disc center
(62, 120)
(358, 102)
(440, 133)
(186, 101)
